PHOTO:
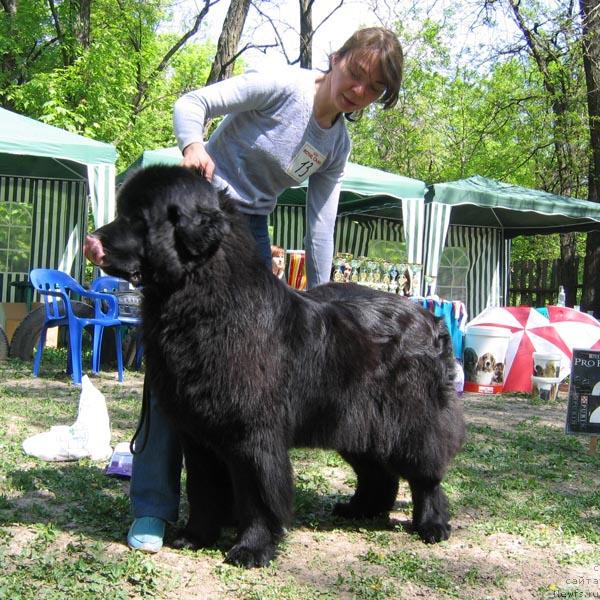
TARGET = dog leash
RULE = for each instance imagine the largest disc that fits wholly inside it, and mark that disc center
(144, 421)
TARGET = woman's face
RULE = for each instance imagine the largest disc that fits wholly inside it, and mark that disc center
(278, 263)
(356, 81)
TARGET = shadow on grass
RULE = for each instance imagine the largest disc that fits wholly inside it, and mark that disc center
(80, 498)
(75, 497)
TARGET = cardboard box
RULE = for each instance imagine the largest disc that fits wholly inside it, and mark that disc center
(15, 312)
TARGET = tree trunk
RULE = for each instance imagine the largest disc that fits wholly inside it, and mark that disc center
(555, 82)
(567, 274)
(306, 33)
(10, 6)
(229, 39)
(81, 26)
(591, 55)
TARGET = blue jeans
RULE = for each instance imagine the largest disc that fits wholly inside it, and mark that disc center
(155, 485)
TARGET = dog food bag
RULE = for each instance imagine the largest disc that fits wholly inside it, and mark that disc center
(483, 359)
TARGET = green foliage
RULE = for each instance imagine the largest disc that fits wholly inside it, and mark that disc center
(449, 127)
(116, 89)
(503, 119)
(543, 247)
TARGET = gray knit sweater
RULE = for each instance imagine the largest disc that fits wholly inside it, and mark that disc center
(268, 142)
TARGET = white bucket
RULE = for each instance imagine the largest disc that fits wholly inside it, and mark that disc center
(546, 364)
(544, 388)
(483, 359)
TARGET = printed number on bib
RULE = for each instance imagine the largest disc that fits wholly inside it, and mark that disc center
(305, 163)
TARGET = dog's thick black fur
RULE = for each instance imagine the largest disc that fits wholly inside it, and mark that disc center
(247, 367)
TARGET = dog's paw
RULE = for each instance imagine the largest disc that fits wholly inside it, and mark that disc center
(185, 540)
(242, 555)
(433, 532)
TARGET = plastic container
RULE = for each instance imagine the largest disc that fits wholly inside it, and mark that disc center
(483, 359)
(459, 378)
(546, 364)
(544, 388)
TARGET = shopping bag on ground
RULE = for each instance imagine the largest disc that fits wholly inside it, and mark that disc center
(89, 436)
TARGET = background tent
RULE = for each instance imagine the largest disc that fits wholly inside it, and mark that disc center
(374, 205)
(474, 220)
(46, 177)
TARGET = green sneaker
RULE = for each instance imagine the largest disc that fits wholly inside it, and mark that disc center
(146, 534)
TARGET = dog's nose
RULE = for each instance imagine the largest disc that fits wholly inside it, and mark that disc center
(92, 250)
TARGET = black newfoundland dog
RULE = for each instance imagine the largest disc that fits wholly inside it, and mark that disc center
(246, 367)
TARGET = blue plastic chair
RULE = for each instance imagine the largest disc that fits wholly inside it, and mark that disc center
(56, 289)
(109, 284)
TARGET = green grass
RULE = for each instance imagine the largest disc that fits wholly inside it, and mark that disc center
(526, 480)
(62, 525)
(43, 569)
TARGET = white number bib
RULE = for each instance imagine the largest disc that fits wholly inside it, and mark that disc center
(305, 163)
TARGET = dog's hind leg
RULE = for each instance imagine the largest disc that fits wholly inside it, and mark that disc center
(424, 473)
(263, 493)
(430, 510)
(376, 488)
(210, 497)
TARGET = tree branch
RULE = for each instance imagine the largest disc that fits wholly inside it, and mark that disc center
(275, 32)
(143, 85)
(59, 32)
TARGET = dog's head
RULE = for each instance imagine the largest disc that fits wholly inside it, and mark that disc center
(498, 373)
(486, 362)
(168, 219)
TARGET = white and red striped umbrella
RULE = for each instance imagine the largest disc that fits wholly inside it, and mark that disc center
(531, 331)
(576, 329)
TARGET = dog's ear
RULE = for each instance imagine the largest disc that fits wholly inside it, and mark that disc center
(198, 231)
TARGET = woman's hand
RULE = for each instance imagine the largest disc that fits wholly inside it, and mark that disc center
(196, 157)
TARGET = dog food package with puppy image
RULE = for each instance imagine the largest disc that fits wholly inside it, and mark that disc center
(583, 412)
(483, 359)
(546, 365)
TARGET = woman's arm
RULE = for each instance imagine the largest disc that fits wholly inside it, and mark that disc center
(250, 91)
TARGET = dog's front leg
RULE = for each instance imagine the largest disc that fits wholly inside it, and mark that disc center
(263, 490)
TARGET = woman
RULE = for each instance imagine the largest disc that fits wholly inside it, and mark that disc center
(281, 128)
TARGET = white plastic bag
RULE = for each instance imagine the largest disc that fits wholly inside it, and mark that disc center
(459, 377)
(89, 436)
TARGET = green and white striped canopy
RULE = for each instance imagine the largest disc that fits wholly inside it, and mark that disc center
(31, 149)
(481, 216)
(47, 151)
(54, 172)
(481, 202)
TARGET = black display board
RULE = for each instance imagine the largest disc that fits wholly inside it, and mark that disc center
(583, 412)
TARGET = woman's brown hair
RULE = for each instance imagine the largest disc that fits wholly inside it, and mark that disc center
(277, 251)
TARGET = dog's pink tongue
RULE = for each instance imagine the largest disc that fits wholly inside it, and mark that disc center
(92, 249)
